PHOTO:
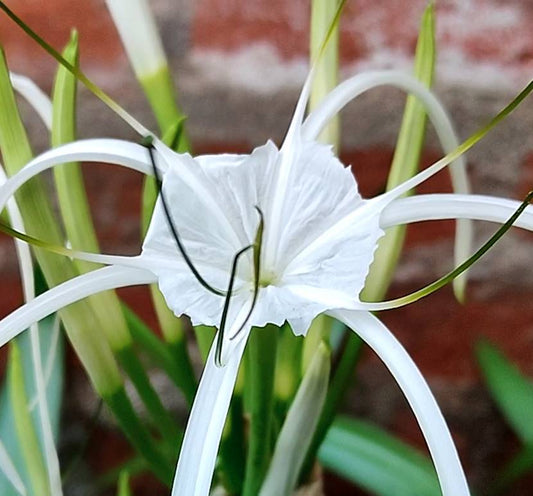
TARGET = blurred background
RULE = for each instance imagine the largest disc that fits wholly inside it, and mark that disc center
(238, 67)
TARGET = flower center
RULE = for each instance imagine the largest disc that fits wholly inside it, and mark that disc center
(268, 278)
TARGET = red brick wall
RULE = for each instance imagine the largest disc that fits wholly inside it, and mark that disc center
(483, 30)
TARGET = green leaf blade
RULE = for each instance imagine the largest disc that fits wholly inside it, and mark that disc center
(511, 390)
(376, 461)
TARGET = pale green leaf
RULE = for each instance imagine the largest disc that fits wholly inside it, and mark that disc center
(512, 390)
(376, 461)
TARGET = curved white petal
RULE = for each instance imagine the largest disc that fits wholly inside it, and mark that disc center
(440, 443)
(69, 292)
(453, 206)
(206, 421)
(39, 101)
(355, 86)
(345, 92)
(110, 151)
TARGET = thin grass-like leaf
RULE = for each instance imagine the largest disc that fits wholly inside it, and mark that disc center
(25, 429)
(326, 74)
(128, 118)
(10, 472)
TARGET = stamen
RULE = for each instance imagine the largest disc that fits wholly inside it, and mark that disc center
(258, 243)
(147, 142)
(62, 250)
(220, 338)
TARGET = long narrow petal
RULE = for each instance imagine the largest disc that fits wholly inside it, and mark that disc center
(448, 159)
(26, 269)
(110, 151)
(453, 206)
(361, 83)
(99, 258)
(418, 394)
(70, 292)
(355, 86)
(284, 173)
(38, 100)
(289, 154)
(206, 421)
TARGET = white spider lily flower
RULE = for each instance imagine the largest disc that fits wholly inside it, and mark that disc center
(318, 242)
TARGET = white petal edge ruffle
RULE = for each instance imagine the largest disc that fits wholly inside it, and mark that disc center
(412, 383)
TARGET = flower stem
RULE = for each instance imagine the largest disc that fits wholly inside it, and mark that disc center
(288, 369)
(260, 366)
(179, 371)
(161, 417)
(138, 435)
(232, 453)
